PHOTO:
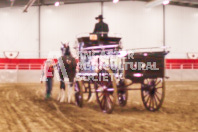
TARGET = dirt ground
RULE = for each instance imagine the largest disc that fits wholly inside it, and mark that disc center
(23, 108)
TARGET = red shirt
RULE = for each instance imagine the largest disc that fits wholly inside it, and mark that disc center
(49, 71)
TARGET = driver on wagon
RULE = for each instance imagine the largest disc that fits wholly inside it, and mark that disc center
(101, 27)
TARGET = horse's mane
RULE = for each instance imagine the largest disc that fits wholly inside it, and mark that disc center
(66, 50)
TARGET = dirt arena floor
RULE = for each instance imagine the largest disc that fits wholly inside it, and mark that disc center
(23, 108)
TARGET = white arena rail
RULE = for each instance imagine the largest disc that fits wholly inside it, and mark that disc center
(181, 66)
(5, 66)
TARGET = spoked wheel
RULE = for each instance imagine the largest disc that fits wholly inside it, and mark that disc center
(122, 94)
(106, 90)
(153, 92)
(78, 93)
(87, 90)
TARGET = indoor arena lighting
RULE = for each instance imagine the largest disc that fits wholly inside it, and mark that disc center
(115, 1)
(154, 3)
(166, 2)
(57, 3)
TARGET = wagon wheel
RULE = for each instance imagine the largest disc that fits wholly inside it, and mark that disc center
(78, 93)
(106, 91)
(87, 90)
(153, 92)
(122, 94)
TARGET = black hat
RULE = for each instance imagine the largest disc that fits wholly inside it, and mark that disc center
(99, 17)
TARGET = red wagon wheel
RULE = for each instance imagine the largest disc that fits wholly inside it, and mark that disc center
(106, 91)
(152, 93)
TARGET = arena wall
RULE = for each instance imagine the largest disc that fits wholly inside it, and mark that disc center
(139, 26)
(65, 23)
(182, 75)
(181, 30)
(21, 76)
(19, 31)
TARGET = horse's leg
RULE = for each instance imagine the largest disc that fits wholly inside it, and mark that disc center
(66, 92)
(62, 95)
(59, 95)
(62, 91)
(70, 92)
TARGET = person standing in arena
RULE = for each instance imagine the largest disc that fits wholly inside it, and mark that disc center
(48, 73)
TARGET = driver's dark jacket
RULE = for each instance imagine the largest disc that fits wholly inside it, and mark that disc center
(101, 27)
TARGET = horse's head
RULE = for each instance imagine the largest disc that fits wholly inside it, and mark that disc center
(65, 49)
